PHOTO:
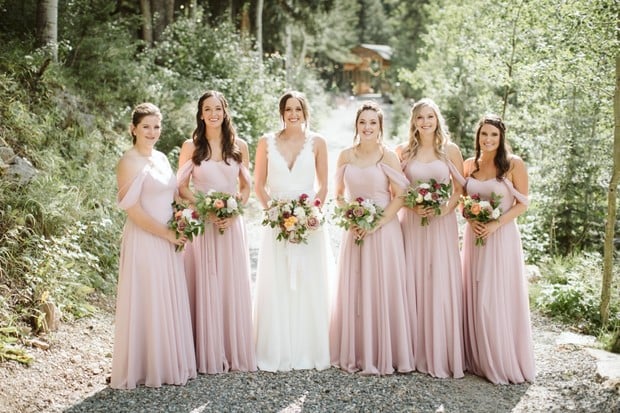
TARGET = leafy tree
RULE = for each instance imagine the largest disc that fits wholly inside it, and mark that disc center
(511, 58)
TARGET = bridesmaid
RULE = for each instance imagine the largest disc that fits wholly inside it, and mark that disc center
(498, 334)
(369, 330)
(434, 286)
(153, 331)
(217, 262)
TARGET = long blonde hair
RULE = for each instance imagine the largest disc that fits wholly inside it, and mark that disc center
(442, 136)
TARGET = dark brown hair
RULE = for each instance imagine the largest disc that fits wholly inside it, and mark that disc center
(501, 161)
(203, 149)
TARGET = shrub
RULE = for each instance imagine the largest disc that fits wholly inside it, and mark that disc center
(569, 290)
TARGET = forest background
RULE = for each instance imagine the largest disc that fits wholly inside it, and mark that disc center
(70, 72)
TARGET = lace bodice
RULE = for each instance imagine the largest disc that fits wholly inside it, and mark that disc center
(287, 183)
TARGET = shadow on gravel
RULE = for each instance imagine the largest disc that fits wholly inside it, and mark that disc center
(311, 391)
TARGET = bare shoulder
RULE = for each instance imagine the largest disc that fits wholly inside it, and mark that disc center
(243, 145)
(453, 150)
(400, 149)
(390, 158)
(188, 144)
(345, 156)
(319, 140)
(468, 166)
(128, 166)
(516, 163)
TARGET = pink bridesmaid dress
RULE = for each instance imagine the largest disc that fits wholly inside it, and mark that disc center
(153, 333)
(433, 282)
(370, 328)
(498, 336)
(218, 278)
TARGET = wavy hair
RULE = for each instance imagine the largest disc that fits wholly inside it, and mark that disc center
(140, 112)
(203, 149)
(441, 138)
(501, 161)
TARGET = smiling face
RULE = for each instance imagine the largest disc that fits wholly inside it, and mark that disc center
(293, 114)
(368, 126)
(212, 112)
(147, 131)
(425, 121)
(489, 138)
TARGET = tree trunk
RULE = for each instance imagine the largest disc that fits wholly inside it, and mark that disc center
(259, 29)
(302, 53)
(288, 58)
(608, 256)
(47, 26)
(162, 14)
(147, 21)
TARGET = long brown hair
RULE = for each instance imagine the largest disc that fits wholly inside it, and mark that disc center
(441, 138)
(501, 161)
(203, 149)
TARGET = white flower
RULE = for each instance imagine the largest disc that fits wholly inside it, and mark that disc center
(299, 212)
(424, 185)
(272, 214)
(485, 205)
(496, 213)
(419, 199)
(428, 196)
(231, 204)
(187, 214)
(370, 218)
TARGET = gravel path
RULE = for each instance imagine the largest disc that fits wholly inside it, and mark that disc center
(71, 375)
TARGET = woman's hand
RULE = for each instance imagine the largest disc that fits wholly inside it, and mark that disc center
(222, 223)
(483, 230)
(171, 237)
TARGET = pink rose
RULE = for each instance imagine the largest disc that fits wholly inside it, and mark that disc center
(313, 223)
(219, 204)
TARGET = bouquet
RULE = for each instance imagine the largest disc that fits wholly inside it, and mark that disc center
(475, 209)
(429, 194)
(185, 221)
(363, 213)
(294, 218)
(220, 204)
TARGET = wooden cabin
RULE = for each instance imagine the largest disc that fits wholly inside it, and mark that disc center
(365, 70)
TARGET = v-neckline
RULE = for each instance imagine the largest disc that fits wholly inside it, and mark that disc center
(295, 158)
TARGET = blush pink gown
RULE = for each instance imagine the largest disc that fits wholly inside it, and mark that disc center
(370, 328)
(218, 278)
(498, 336)
(153, 333)
(434, 284)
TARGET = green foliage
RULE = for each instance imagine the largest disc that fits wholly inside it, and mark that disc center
(512, 58)
(569, 290)
(202, 62)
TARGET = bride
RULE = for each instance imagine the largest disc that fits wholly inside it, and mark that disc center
(291, 306)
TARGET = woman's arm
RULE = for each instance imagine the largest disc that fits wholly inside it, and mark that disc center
(454, 155)
(244, 187)
(187, 151)
(321, 165)
(260, 172)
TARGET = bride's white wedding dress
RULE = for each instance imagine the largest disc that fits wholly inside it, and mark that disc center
(291, 305)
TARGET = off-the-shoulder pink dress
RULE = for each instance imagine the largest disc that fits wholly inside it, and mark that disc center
(434, 283)
(218, 278)
(370, 328)
(498, 334)
(153, 342)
